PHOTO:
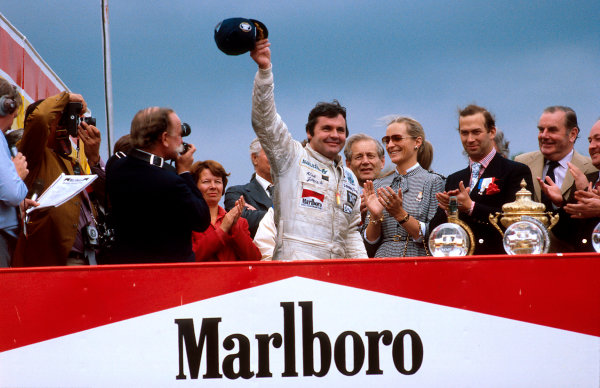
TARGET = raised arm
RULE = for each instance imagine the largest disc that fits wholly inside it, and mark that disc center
(270, 129)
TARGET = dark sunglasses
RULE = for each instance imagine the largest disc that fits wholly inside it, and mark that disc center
(395, 138)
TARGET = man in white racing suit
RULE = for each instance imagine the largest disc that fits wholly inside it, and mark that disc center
(316, 198)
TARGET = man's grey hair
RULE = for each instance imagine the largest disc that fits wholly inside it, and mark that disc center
(501, 143)
(359, 137)
(255, 147)
(148, 126)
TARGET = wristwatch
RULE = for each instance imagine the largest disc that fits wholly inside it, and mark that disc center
(402, 221)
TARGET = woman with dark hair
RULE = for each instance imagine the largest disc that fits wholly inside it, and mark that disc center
(227, 238)
(402, 203)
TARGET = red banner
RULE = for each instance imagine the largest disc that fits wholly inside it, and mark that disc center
(21, 65)
(555, 291)
(432, 317)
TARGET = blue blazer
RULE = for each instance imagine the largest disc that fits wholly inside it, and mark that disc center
(255, 196)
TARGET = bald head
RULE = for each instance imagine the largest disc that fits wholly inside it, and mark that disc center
(594, 147)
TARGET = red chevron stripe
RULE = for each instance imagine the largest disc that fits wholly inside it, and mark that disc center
(557, 291)
(306, 193)
(18, 64)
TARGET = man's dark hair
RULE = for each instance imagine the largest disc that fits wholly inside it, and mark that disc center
(148, 125)
(325, 109)
(472, 109)
(123, 144)
(570, 116)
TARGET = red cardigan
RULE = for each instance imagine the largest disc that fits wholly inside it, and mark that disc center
(215, 245)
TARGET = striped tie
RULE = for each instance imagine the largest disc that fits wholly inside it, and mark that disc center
(475, 167)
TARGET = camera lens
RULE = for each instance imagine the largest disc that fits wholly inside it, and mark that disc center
(90, 121)
(185, 129)
(93, 233)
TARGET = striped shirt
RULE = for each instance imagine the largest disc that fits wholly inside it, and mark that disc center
(419, 187)
(484, 163)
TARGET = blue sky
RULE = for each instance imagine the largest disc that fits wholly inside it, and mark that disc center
(423, 59)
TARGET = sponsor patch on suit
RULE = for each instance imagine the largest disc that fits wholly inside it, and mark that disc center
(351, 198)
(312, 199)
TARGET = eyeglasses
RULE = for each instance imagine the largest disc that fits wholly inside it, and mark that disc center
(395, 138)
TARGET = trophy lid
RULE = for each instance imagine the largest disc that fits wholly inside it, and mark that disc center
(523, 204)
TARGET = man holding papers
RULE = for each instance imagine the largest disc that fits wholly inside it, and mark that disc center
(56, 142)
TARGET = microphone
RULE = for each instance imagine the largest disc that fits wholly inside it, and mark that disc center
(37, 187)
(13, 151)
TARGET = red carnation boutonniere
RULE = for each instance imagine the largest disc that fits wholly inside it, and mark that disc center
(492, 189)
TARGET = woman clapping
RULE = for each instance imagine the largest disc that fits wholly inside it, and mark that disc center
(402, 203)
(227, 238)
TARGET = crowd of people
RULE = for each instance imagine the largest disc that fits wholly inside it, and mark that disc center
(302, 202)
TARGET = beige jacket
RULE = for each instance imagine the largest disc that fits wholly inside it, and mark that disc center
(535, 161)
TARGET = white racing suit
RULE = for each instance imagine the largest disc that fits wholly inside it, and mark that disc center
(316, 200)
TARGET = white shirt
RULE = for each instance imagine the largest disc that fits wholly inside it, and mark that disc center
(263, 183)
(265, 236)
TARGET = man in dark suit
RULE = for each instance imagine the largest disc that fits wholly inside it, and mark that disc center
(485, 185)
(581, 213)
(154, 211)
(256, 192)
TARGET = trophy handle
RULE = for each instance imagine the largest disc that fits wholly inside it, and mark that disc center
(464, 225)
(553, 219)
(494, 221)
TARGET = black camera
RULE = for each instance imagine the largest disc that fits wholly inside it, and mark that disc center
(186, 130)
(89, 120)
(107, 236)
(70, 118)
(186, 147)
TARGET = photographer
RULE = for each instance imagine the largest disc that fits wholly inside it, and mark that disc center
(153, 210)
(56, 141)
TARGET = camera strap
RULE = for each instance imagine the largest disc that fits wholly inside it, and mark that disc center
(147, 157)
(90, 255)
(90, 251)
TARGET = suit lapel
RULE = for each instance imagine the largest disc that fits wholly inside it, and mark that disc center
(537, 168)
(490, 171)
(67, 165)
(464, 176)
(259, 194)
